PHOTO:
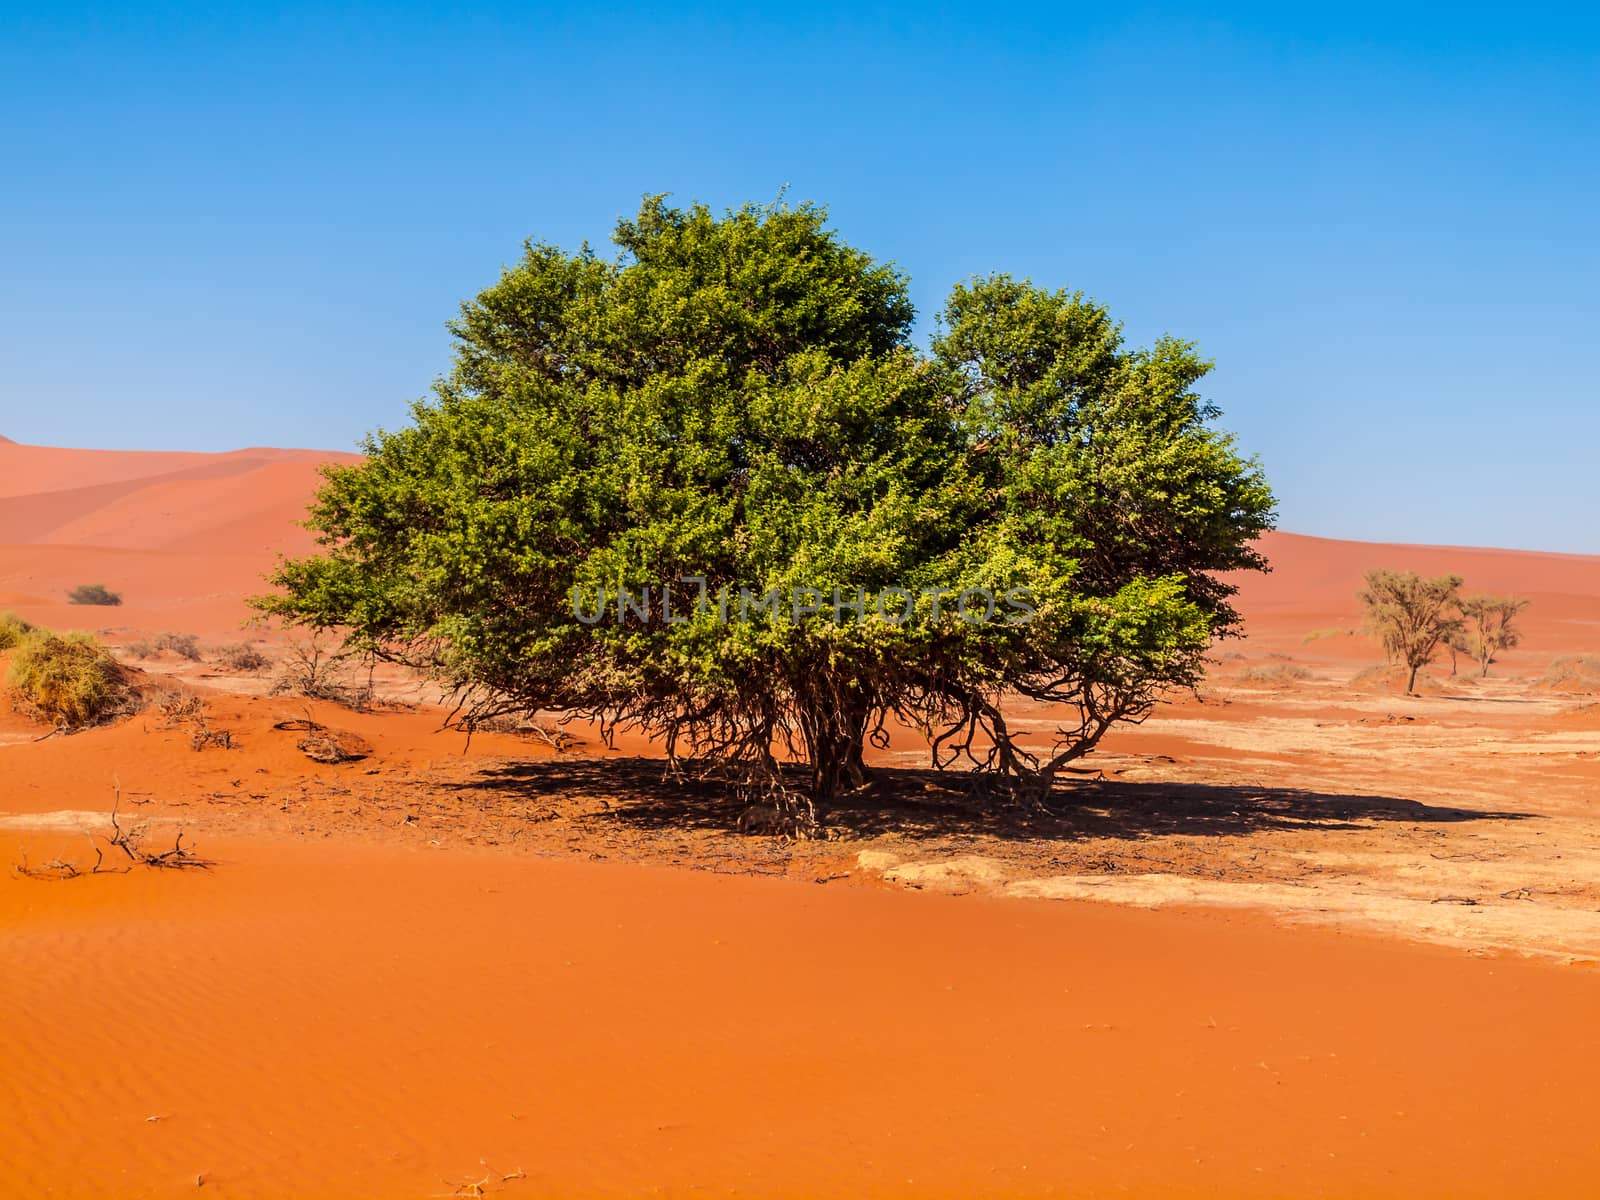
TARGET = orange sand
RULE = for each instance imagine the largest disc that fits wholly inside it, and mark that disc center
(339, 1021)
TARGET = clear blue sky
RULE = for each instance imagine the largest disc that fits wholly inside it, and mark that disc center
(242, 227)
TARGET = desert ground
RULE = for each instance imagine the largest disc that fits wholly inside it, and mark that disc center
(1298, 934)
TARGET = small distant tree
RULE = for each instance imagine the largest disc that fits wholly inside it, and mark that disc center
(93, 593)
(1411, 616)
(1489, 626)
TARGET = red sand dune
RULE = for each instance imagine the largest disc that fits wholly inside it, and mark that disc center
(1313, 584)
(183, 537)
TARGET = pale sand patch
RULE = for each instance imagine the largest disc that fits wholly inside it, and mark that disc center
(68, 820)
(1411, 907)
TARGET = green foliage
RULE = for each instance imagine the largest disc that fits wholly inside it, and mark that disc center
(67, 679)
(1411, 617)
(737, 399)
(93, 593)
(12, 629)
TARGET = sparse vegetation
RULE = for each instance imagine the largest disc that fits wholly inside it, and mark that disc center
(529, 725)
(186, 708)
(319, 670)
(94, 594)
(1317, 635)
(1395, 677)
(1489, 626)
(1278, 672)
(131, 844)
(12, 630)
(241, 656)
(69, 679)
(1573, 673)
(1411, 616)
(184, 645)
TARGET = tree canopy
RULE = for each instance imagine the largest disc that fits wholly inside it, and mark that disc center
(1489, 626)
(709, 488)
(1411, 616)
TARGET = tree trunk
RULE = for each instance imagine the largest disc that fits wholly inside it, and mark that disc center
(835, 743)
(1411, 683)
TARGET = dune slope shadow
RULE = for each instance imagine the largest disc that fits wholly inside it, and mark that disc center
(644, 793)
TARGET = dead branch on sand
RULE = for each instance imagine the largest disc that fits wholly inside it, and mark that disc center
(480, 1187)
(186, 708)
(130, 842)
(325, 745)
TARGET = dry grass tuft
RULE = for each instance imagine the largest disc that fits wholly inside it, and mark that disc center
(1278, 672)
(94, 593)
(69, 679)
(1573, 673)
(12, 630)
(184, 645)
(242, 656)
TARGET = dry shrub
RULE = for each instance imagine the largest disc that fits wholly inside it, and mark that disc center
(1392, 678)
(320, 672)
(242, 656)
(1317, 635)
(1573, 673)
(1278, 672)
(186, 708)
(184, 645)
(524, 725)
(12, 630)
(130, 842)
(1387, 678)
(69, 680)
(93, 593)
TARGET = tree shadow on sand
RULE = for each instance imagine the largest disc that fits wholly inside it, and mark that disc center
(910, 802)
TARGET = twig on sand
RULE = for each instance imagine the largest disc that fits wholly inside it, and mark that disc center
(129, 841)
(479, 1187)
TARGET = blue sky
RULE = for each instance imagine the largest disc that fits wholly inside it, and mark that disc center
(246, 226)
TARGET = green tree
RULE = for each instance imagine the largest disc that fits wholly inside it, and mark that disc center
(628, 451)
(1489, 626)
(1411, 616)
(1111, 496)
